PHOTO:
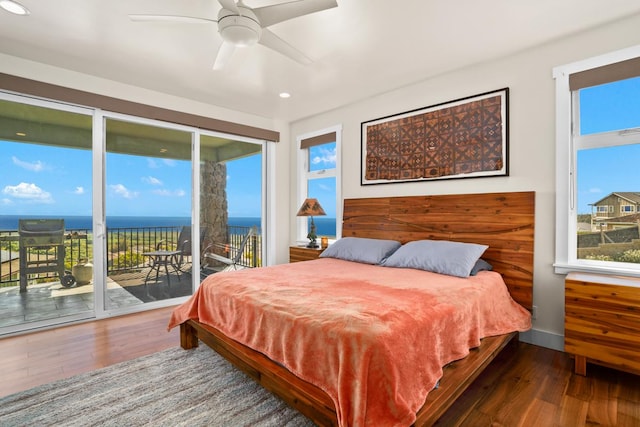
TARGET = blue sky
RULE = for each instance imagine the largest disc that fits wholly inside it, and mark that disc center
(38, 179)
(605, 170)
(45, 180)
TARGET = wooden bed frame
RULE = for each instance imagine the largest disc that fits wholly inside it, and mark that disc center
(504, 221)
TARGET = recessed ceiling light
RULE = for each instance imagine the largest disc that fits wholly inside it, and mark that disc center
(285, 95)
(14, 7)
(21, 134)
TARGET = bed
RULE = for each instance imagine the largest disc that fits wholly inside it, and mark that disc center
(502, 221)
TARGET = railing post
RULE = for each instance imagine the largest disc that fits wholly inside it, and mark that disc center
(254, 250)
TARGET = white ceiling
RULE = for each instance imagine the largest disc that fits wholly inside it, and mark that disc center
(361, 48)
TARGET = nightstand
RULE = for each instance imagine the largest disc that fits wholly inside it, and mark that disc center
(302, 253)
(602, 321)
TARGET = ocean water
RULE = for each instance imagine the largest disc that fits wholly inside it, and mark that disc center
(324, 226)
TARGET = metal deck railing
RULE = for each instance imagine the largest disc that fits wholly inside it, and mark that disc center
(124, 250)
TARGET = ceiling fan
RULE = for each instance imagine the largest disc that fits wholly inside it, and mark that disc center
(240, 25)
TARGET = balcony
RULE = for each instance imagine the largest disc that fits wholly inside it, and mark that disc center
(40, 293)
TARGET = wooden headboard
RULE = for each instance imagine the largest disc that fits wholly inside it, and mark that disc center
(503, 221)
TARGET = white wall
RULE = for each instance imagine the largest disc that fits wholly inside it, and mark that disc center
(528, 75)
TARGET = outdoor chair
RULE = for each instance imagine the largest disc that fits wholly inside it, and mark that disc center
(232, 255)
(182, 246)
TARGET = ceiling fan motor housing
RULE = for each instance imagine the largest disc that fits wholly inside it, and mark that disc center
(241, 30)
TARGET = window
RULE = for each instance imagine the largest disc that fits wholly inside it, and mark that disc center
(598, 148)
(319, 178)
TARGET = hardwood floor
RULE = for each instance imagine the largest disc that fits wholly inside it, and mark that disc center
(526, 385)
(41, 357)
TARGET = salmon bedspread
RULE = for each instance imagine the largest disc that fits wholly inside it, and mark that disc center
(373, 338)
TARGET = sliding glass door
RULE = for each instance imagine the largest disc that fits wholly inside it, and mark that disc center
(231, 203)
(148, 212)
(104, 214)
(46, 233)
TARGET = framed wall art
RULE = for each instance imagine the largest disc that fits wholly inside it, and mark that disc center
(464, 138)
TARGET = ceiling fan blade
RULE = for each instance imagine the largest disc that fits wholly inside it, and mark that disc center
(224, 55)
(170, 18)
(269, 15)
(230, 5)
(274, 42)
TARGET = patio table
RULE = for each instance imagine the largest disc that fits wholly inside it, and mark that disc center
(158, 259)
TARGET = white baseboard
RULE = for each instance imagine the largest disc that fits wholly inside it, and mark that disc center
(543, 339)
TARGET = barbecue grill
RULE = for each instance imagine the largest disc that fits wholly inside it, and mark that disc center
(42, 234)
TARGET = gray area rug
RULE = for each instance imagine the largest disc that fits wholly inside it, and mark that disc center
(174, 387)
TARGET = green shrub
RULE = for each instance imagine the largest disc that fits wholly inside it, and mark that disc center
(631, 255)
(599, 257)
(128, 259)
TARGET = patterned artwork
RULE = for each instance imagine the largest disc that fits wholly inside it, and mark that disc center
(459, 139)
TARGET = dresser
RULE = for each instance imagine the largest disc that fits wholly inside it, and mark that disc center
(602, 321)
(302, 253)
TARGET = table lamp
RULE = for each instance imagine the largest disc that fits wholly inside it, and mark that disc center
(311, 207)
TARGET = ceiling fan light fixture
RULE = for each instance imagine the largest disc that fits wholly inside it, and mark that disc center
(14, 7)
(239, 35)
(239, 30)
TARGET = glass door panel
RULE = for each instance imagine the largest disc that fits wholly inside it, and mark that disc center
(148, 213)
(231, 200)
(46, 235)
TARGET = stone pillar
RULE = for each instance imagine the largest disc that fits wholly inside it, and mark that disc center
(214, 215)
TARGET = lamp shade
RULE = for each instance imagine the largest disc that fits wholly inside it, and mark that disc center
(310, 207)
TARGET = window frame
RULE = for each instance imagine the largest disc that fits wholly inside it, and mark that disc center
(305, 175)
(567, 144)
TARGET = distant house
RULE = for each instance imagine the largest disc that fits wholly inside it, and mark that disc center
(617, 210)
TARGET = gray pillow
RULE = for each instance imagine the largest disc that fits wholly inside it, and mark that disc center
(438, 256)
(360, 249)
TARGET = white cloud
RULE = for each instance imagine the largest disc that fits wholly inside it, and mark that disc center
(155, 164)
(595, 190)
(36, 166)
(6, 202)
(29, 192)
(326, 157)
(79, 190)
(122, 191)
(151, 180)
(168, 193)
